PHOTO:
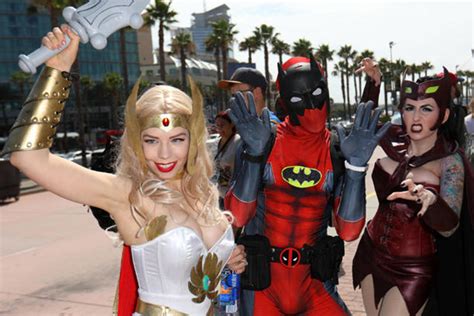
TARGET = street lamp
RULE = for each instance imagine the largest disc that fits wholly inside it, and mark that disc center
(391, 44)
(392, 84)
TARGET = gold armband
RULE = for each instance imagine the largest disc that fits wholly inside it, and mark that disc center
(41, 113)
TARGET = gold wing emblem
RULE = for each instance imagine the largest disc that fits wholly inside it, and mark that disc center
(205, 278)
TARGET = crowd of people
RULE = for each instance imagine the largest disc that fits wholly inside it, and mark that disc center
(278, 186)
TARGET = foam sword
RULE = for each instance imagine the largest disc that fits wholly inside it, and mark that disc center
(94, 22)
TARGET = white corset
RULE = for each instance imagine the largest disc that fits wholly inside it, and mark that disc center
(163, 267)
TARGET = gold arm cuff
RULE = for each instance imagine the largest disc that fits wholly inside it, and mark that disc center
(45, 111)
(30, 137)
(41, 113)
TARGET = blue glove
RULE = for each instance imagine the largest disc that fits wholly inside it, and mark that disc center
(360, 144)
(255, 132)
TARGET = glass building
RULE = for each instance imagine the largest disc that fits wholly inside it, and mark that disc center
(201, 26)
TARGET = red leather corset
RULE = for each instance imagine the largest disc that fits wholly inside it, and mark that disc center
(395, 228)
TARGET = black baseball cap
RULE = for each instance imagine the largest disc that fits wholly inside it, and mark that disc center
(246, 75)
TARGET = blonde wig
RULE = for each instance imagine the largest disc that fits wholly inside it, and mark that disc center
(158, 104)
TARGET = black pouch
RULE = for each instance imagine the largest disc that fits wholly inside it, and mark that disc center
(326, 259)
(256, 276)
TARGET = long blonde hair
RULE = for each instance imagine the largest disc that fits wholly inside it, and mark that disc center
(197, 190)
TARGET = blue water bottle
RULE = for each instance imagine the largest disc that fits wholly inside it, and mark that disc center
(229, 293)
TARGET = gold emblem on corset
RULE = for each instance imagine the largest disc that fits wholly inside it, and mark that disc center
(205, 278)
(155, 227)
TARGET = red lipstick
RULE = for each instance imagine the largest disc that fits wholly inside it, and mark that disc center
(167, 169)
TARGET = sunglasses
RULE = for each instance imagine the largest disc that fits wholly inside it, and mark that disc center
(242, 91)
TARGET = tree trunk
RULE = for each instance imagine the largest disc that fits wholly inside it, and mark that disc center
(267, 74)
(343, 96)
(348, 97)
(161, 48)
(219, 78)
(250, 55)
(360, 84)
(385, 97)
(280, 58)
(224, 72)
(183, 68)
(77, 88)
(325, 65)
(355, 91)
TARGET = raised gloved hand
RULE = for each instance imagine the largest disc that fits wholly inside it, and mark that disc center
(255, 132)
(360, 144)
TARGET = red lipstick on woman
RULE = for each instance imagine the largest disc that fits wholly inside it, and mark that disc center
(167, 169)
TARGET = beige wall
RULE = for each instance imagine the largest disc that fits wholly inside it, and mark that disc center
(145, 46)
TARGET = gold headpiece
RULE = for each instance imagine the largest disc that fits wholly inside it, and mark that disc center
(195, 124)
(165, 121)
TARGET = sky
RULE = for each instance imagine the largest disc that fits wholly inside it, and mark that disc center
(437, 31)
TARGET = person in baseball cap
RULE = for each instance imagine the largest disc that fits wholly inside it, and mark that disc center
(247, 79)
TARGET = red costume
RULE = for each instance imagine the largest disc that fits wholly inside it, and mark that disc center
(299, 191)
(399, 249)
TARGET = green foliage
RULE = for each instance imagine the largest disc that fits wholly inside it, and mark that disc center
(302, 47)
(385, 118)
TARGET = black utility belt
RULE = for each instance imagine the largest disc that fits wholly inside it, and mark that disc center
(324, 259)
(290, 256)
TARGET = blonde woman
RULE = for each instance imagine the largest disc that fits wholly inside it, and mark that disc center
(161, 198)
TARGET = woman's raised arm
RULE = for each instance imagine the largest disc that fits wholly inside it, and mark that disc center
(32, 134)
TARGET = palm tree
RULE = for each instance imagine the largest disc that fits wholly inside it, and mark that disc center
(20, 78)
(425, 66)
(224, 32)
(363, 54)
(339, 70)
(279, 47)
(162, 13)
(302, 47)
(249, 44)
(346, 53)
(112, 83)
(182, 45)
(212, 44)
(323, 55)
(412, 70)
(399, 67)
(264, 35)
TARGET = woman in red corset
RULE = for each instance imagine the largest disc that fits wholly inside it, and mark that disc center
(420, 187)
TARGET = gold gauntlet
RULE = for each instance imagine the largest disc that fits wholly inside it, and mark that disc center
(41, 113)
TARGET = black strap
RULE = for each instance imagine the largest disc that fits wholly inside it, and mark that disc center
(251, 158)
(222, 149)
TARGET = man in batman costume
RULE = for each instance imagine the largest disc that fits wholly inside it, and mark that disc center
(288, 186)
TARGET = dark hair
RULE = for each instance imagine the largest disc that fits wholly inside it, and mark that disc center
(225, 116)
(450, 128)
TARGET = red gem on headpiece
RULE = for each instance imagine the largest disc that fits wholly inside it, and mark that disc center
(166, 122)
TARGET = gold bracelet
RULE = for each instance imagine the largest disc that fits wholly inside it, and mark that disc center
(41, 113)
